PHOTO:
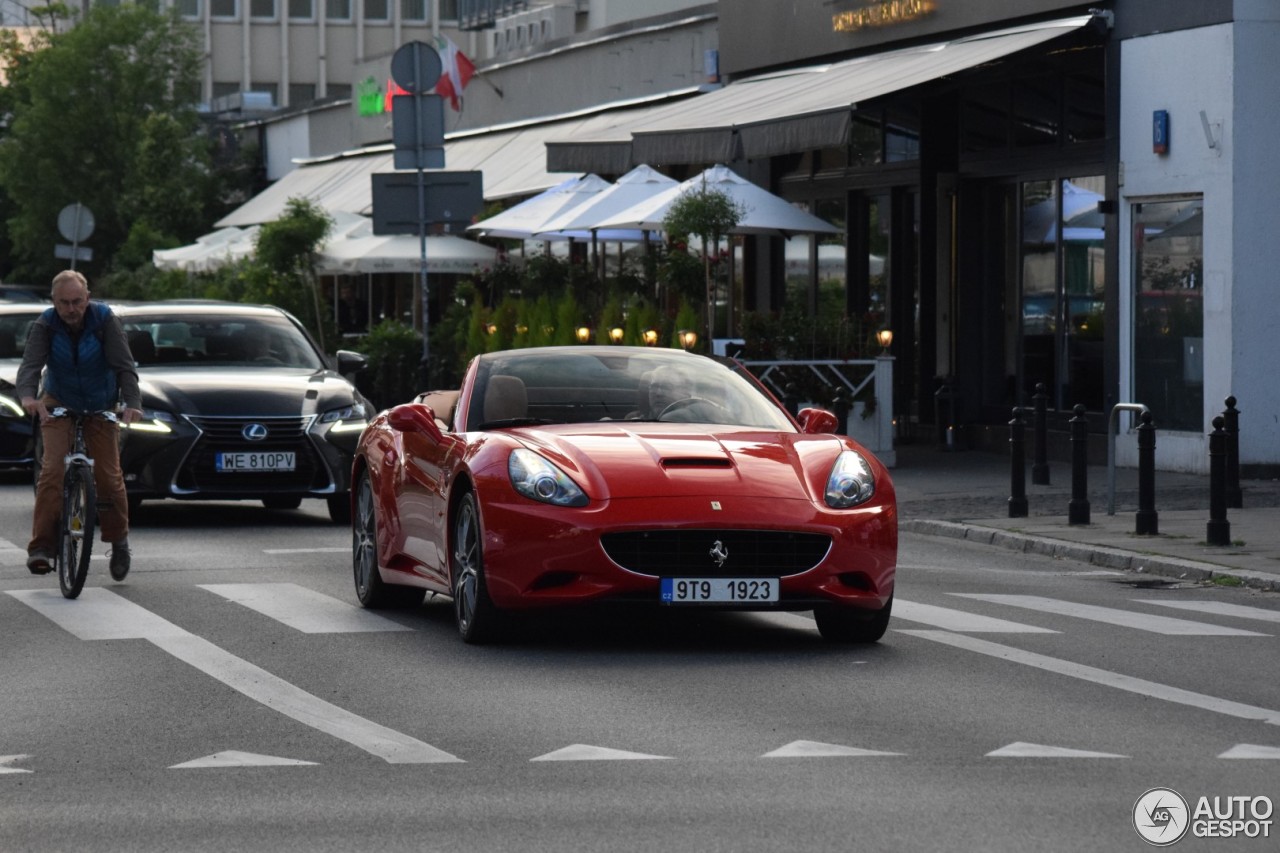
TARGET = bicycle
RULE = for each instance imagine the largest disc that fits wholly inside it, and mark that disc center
(79, 505)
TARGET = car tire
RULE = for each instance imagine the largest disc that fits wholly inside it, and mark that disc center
(339, 508)
(477, 618)
(282, 502)
(852, 624)
(371, 590)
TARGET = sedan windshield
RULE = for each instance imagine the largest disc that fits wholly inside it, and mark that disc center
(571, 385)
(219, 341)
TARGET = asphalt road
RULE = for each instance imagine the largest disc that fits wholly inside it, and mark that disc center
(230, 696)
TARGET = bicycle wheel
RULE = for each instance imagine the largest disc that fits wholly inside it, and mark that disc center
(79, 518)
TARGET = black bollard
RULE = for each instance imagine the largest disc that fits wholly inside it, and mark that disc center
(1218, 530)
(1017, 465)
(1147, 521)
(1231, 417)
(1040, 467)
(840, 404)
(791, 398)
(1078, 508)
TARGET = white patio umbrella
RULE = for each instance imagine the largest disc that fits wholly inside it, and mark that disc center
(359, 251)
(212, 251)
(763, 212)
(640, 184)
(530, 216)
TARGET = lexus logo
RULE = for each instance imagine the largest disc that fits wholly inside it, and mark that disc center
(719, 553)
(254, 432)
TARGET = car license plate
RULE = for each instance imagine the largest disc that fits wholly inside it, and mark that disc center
(719, 590)
(258, 460)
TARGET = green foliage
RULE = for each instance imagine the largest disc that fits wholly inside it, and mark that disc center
(394, 351)
(706, 213)
(102, 113)
(687, 318)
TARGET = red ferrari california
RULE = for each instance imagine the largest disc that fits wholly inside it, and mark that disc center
(587, 475)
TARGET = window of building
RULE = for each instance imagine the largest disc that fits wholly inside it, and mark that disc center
(224, 8)
(449, 10)
(272, 89)
(339, 90)
(221, 90)
(189, 8)
(901, 136)
(303, 10)
(984, 118)
(413, 10)
(377, 10)
(1037, 110)
(866, 143)
(337, 10)
(262, 8)
(301, 93)
(1168, 312)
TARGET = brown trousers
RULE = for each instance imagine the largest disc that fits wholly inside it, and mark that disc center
(102, 440)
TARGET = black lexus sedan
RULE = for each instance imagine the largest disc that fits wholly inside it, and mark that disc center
(239, 404)
(17, 428)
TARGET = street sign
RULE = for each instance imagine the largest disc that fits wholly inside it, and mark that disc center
(72, 253)
(452, 199)
(75, 222)
(417, 129)
(416, 66)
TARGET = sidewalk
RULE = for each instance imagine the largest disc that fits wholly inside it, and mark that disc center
(965, 495)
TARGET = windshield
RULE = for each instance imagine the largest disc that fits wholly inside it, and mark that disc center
(265, 341)
(570, 385)
(13, 332)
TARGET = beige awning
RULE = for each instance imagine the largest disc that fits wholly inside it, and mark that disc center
(786, 112)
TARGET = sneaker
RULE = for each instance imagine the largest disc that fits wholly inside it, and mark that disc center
(39, 562)
(120, 558)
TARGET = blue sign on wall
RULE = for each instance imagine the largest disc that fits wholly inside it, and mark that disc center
(1160, 131)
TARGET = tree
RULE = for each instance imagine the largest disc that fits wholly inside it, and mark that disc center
(104, 114)
(709, 214)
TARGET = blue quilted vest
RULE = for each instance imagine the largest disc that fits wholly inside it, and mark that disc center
(77, 374)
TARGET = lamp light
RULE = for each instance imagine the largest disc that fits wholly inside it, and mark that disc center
(615, 334)
(688, 338)
(584, 334)
(885, 338)
(651, 337)
(490, 328)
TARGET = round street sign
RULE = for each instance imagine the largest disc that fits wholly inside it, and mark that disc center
(416, 66)
(75, 222)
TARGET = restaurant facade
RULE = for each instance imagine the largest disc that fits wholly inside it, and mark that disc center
(1034, 196)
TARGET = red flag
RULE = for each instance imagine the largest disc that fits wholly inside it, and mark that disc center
(457, 71)
(392, 90)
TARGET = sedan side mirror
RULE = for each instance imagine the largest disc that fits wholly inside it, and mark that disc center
(817, 421)
(350, 361)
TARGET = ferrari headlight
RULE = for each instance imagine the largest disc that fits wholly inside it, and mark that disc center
(11, 408)
(536, 478)
(851, 481)
(347, 419)
(153, 420)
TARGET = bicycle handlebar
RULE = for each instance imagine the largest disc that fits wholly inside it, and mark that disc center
(64, 412)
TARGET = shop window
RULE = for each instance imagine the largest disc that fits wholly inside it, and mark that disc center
(1036, 111)
(1168, 312)
(984, 118)
(865, 141)
(1084, 118)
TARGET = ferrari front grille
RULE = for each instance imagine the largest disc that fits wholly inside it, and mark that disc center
(716, 553)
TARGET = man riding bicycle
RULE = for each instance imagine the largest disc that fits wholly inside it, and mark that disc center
(84, 353)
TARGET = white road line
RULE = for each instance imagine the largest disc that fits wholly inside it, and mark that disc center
(1123, 618)
(101, 615)
(304, 609)
(1101, 676)
(342, 550)
(1021, 749)
(1218, 608)
(587, 752)
(958, 620)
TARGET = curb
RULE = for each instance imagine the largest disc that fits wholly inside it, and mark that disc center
(1108, 558)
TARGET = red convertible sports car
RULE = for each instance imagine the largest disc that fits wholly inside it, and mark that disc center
(583, 475)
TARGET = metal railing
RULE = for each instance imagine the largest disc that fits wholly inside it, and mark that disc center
(483, 14)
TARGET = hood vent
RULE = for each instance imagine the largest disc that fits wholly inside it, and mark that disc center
(696, 462)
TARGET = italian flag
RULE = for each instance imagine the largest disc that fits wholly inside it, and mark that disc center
(457, 71)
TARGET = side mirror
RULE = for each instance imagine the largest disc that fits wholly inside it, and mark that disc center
(350, 362)
(816, 421)
(415, 417)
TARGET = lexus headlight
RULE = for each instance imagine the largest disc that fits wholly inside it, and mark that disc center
(153, 420)
(347, 419)
(536, 478)
(851, 481)
(11, 408)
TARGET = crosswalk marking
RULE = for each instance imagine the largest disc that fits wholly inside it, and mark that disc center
(1101, 676)
(304, 609)
(586, 752)
(1218, 608)
(102, 615)
(1247, 751)
(958, 620)
(235, 758)
(1020, 749)
(817, 749)
(1124, 618)
(6, 760)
